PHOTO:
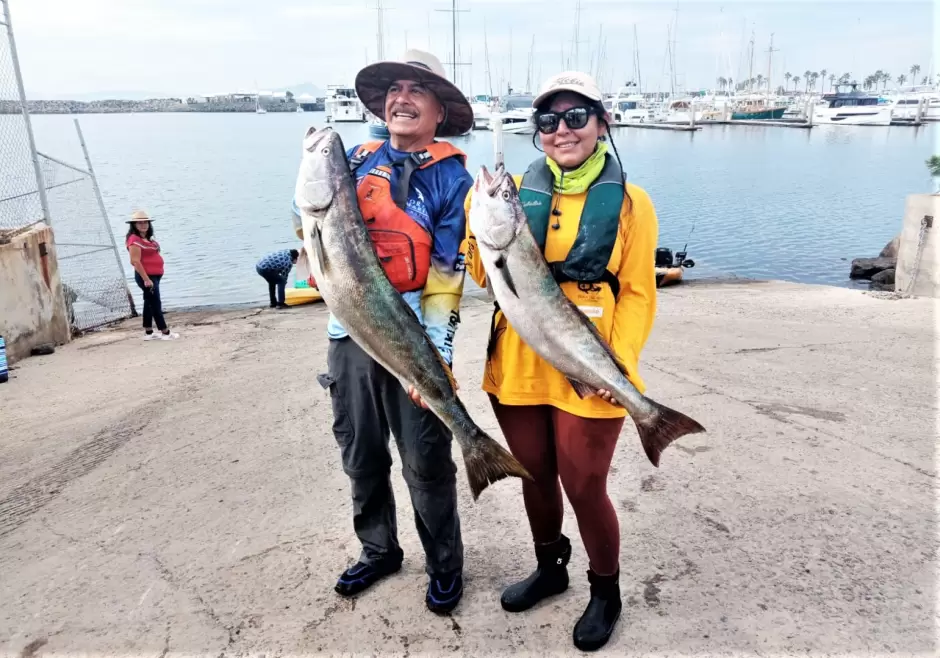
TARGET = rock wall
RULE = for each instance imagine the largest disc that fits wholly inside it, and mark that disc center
(927, 276)
(32, 304)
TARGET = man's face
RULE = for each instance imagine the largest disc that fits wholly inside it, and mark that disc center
(412, 110)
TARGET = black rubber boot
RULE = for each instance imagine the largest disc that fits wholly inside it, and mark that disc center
(548, 579)
(597, 623)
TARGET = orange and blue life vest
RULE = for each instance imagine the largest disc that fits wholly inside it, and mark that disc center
(403, 245)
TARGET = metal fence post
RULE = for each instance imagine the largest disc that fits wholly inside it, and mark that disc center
(104, 214)
(40, 183)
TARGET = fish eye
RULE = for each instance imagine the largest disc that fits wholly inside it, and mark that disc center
(505, 195)
(326, 150)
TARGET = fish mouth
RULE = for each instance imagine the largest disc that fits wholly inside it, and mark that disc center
(492, 182)
(315, 137)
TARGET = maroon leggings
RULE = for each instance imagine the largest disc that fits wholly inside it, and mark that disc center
(552, 443)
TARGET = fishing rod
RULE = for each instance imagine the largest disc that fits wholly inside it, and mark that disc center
(681, 260)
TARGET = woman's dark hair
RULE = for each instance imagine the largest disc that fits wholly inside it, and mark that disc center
(294, 254)
(132, 230)
(598, 109)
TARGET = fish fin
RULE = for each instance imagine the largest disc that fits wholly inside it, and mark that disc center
(487, 461)
(582, 389)
(607, 348)
(660, 428)
(503, 270)
(317, 241)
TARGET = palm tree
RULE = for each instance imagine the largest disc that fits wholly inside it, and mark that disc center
(901, 80)
(796, 81)
(822, 74)
(807, 76)
(787, 76)
(832, 80)
(885, 79)
(845, 78)
(760, 80)
(915, 69)
(815, 77)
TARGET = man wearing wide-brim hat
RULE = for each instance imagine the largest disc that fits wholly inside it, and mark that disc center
(411, 190)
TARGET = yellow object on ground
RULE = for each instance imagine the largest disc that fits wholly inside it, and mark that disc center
(668, 276)
(297, 296)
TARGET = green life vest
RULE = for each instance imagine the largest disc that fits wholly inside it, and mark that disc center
(597, 232)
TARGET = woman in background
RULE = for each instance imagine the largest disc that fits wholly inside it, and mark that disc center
(148, 270)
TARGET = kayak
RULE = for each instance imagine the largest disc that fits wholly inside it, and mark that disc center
(668, 276)
(298, 296)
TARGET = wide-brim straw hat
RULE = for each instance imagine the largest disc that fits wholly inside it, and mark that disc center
(373, 81)
(139, 216)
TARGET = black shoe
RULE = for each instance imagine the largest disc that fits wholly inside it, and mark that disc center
(282, 306)
(444, 592)
(548, 579)
(273, 305)
(597, 623)
(361, 576)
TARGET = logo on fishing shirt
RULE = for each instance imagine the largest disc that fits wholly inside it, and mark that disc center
(417, 208)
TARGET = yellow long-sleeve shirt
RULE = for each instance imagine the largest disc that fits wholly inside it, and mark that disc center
(515, 374)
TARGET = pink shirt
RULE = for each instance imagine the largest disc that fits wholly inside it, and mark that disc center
(150, 256)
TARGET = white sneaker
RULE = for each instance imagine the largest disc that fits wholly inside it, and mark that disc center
(151, 337)
(169, 336)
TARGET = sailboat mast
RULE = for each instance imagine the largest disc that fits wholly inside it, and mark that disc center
(636, 60)
(750, 70)
(770, 54)
(379, 41)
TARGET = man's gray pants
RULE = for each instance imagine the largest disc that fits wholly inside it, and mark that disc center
(368, 402)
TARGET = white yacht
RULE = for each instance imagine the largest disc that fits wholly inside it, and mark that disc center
(627, 107)
(908, 99)
(515, 113)
(852, 108)
(342, 104)
(482, 106)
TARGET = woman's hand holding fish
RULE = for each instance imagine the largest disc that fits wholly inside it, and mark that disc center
(606, 396)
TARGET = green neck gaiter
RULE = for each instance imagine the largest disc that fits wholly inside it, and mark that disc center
(578, 180)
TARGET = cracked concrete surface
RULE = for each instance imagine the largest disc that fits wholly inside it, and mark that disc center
(163, 499)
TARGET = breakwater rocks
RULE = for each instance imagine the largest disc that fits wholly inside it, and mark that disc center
(153, 105)
(879, 271)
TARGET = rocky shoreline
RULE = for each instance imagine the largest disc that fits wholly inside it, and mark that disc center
(152, 105)
(879, 270)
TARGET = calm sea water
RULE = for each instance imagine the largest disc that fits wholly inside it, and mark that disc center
(765, 202)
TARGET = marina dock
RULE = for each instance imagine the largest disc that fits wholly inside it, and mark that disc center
(652, 125)
(186, 497)
(761, 122)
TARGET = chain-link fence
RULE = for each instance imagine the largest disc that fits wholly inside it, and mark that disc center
(20, 197)
(35, 187)
(92, 278)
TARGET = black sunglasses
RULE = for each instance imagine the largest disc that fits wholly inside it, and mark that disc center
(575, 118)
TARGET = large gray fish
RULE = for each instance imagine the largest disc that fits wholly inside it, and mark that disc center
(356, 289)
(548, 321)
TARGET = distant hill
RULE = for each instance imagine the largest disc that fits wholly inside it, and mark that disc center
(141, 95)
(304, 88)
(118, 94)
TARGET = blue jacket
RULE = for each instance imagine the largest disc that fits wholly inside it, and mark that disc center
(436, 201)
(277, 263)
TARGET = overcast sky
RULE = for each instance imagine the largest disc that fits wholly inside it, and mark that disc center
(184, 47)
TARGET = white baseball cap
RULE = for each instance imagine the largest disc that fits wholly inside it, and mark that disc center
(574, 81)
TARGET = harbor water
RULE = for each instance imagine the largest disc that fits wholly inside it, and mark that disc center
(751, 201)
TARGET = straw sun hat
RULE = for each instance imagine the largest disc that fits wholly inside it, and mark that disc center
(373, 81)
(139, 216)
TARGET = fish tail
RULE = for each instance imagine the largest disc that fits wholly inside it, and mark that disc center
(489, 462)
(661, 427)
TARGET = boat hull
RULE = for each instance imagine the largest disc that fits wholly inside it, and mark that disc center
(758, 115)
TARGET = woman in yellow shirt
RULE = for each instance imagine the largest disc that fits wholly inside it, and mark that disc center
(549, 428)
